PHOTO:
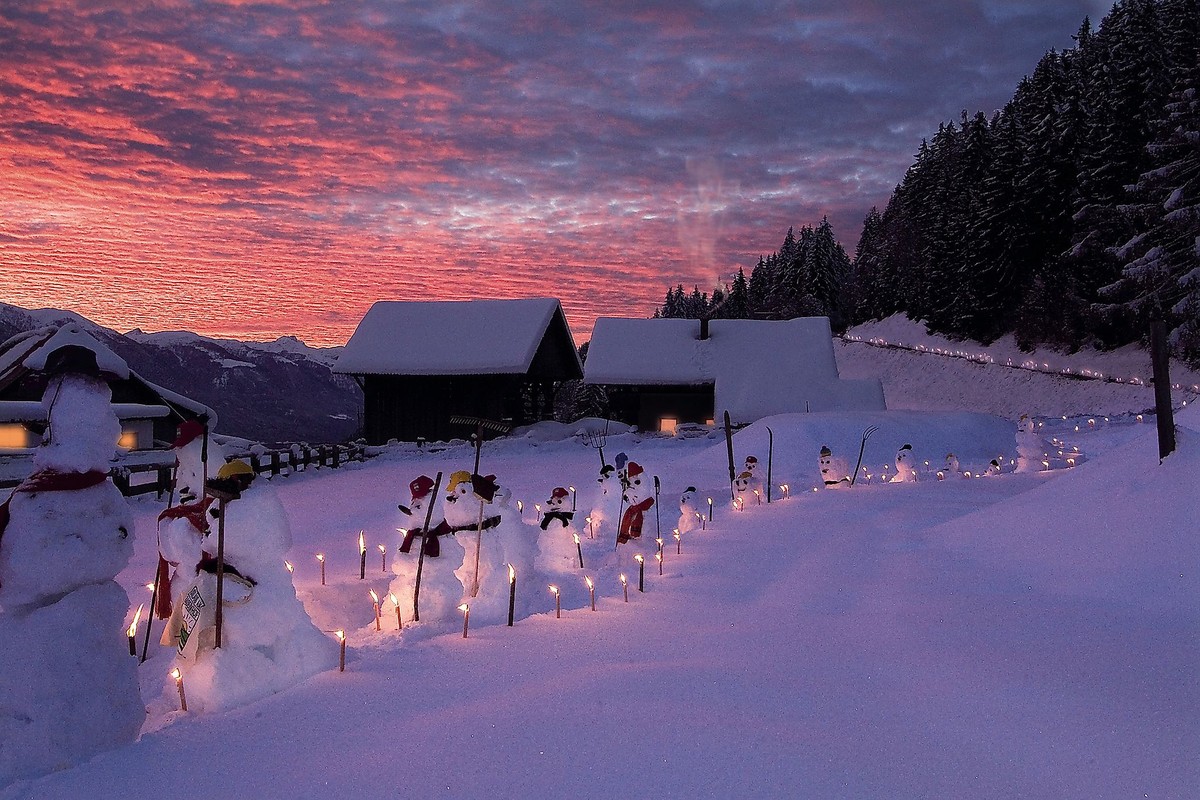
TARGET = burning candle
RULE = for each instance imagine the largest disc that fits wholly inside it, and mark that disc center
(341, 635)
(466, 609)
(375, 603)
(396, 603)
(288, 566)
(758, 495)
(321, 559)
(512, 592)
(521, 509)
(362, 552)
(784, 488)
(538, 507)
(132, 631)
(382, 558)
(658, 555)
(710, 509)
(678, 543)
(557, 601)
(625, 587)
(572, 488)
(941, 476)
(178, 676)
(592, 589)
(703, 524)
(641, 572)
(591, 531)
(578, 549)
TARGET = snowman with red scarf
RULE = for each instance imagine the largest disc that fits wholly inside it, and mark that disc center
(638, 498)
(441, 590)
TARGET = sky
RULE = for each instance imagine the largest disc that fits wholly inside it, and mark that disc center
(256, 169)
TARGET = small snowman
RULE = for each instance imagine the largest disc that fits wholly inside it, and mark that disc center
(743, 496)
(605, 504)
(638, 498)
(68, 687)
(472, 518)
(1032, 449)
(182, 527)
(756, 481)
(268, 641)
(557, 552)
(833, 470)
(994, 467)
(441, 590)
(951, 468)
(906, 465)
(689, 511)
(520, 543)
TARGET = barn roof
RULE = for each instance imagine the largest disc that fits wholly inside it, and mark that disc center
(757, 367)
(468, 337)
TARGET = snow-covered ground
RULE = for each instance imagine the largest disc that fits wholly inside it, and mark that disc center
(1030, 635)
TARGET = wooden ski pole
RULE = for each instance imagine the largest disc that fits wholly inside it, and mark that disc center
(729, 449)
(478, 547)
(437, 485)
(770, 455)
(657, 524)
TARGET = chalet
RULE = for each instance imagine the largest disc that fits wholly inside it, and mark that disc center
(663, 372)
(421, 363)
(150, 415)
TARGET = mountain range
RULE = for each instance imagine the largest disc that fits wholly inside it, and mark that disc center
(270, 392)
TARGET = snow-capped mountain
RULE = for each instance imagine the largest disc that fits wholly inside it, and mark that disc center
(279, 391)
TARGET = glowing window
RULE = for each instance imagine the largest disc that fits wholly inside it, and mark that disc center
(709, 421)
(128, 440)
(14, 435)
(667, 424)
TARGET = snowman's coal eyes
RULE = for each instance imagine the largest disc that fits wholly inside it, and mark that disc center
(637, 481)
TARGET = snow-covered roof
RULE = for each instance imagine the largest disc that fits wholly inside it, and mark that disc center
(71, 335)
(756, 367)
(450, 337)
(35, 411)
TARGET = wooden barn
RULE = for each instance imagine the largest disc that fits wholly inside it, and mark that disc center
(149, 414)
(660, 373)
(421, 363)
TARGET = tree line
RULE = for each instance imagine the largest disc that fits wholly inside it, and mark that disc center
(1069, 217)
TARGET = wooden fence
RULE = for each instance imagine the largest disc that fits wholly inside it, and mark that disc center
(136, 479)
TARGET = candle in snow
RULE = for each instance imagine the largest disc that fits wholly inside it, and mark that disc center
(625, 587)
(396, 603)
(678, 543)
(132, 632)
(375, 603)
(321, 559)
(341, 635)
(512, 593)
(362, 552)
(572, 488)
(466, 609)
(658, 555)
(710, 509)
(578, 549)
(592, 590)
(382, 558)
(289, 567)
(178, 676)
(641, 572)
(538, 507)
(557, 601)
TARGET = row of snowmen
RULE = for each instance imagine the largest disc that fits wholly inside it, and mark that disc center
(477, 543)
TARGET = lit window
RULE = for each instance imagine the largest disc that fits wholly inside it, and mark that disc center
(709, 421)
(128, 440)
(14, 435)
(667, 424)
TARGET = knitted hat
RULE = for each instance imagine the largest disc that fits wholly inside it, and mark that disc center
(751, 460)
(421, 487)
(189, 431)
(634, 469)
(558, 493)
(825, 451)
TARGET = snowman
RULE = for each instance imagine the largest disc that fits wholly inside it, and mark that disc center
(638, 498)
(906, 465)
(183, 526)
(743, 496)
(472, 518)
(834, 471)
(267, 641)
(441, 590)
(951, 468)
(68, 687)
(689, 511)
(557, 552)
(994, 467)
(605, 505)
(1032, 449)
(520, 543)
(756, 481)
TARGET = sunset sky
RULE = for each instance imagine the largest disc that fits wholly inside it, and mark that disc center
(256, 169)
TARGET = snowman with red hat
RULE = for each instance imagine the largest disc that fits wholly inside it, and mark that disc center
(756, 480)
(639, 499)
(557, 552)
(68, 687)
(441, 590)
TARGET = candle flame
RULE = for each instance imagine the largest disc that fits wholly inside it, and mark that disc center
(136, 617)
(464, 608)
(288, 566)
(623, 579)
(392, 597)
(320, 556)
(520, 506)
(572, 488)
(638, 558)
(576, 535)
(382, 548)
(176, 674)
(150, 587)
(553, 589)
(341, 635)
(512, 574)
(374, 597)
(658, 556)
(589, 583)
(362, 542)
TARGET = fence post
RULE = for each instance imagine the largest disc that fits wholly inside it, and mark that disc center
(164, 481)
(337, 451)
(1160, 362)
(274, 463)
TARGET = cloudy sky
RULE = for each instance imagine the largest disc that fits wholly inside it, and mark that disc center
(254, 169)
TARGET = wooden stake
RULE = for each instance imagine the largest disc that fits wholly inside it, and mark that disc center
(437, 485)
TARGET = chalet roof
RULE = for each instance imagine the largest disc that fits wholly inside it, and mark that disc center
(469, 337)
(28, 352)
(757, 367)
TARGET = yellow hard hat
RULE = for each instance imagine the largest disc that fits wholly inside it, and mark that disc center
(235, 469)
